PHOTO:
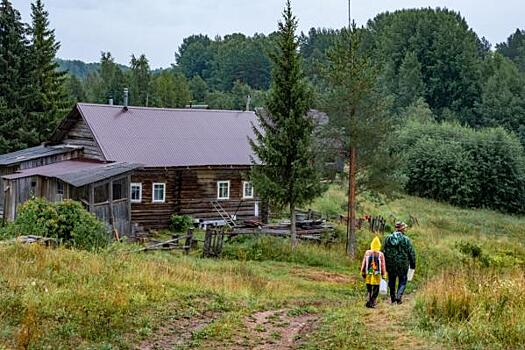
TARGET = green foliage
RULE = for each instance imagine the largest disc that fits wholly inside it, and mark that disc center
(180, 223)
(67, 222)
(443, 42)
(514, 48)
(267, 248)
(170, 90)
(140, 81)
(48, 100)
(448, 162)
(284, 145)
(357, 112)
(503, 96)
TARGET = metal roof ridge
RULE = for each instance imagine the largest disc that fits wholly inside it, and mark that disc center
(163, 108)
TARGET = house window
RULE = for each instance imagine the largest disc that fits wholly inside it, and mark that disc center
(223, 189)
(159, 192)
(136, 192)
(247, 190)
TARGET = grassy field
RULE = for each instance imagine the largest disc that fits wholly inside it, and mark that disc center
(468, 291)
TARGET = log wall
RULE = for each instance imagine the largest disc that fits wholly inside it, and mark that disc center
(189, 191)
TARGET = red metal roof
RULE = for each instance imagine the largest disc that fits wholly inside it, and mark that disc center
(171, 137)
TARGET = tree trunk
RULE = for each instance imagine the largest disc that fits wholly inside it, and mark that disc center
(351, 222)
(293, 228)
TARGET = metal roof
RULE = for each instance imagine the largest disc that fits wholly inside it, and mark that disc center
(34, 153)
(171, 137)
(77, 173)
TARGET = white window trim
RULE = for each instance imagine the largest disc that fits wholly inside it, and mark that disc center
(163, 184)
(244, 196)
(218, 190)
(139, 185)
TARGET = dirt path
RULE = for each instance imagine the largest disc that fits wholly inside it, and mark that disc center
(176, 332)
(391, 324)
(275, 329)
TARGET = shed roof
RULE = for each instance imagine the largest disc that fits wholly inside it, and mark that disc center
(34, 153)
(171, 137)
(77, 173)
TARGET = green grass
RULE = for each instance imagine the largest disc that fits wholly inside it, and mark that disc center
(62, 298)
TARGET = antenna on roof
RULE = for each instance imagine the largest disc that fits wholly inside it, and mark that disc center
(126, 99)
(248, 102)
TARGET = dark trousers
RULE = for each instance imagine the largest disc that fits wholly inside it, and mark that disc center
(392, 278)
(373, 292)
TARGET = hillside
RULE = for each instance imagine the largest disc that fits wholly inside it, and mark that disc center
(81, 69)
(469, 292)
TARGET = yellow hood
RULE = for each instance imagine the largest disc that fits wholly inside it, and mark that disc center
(376, 244)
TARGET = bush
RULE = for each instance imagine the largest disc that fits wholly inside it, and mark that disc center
(180, 223)
(68, 222)
(462, 166)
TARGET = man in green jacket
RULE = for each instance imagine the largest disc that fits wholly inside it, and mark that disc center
(399, 257)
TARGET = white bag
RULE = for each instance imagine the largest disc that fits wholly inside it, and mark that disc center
(383, 287)
(410, 275)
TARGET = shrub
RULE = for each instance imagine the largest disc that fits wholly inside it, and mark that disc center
(68, 222)
(180, 223)
(462, 166)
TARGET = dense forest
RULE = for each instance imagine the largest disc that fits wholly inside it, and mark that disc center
(422, 67)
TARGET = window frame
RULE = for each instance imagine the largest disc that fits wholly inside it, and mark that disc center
(219, 190)
(135, 184)
(153, 200)
(244, 196)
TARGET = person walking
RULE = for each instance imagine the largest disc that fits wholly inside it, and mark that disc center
(372, 270)
(399, 257)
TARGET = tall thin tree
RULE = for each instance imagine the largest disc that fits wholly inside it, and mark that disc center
(48, 96)
(358, 122)
(14, 76)
(287, 177)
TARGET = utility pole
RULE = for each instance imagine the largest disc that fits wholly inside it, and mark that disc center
(352, 166)
(349, 14)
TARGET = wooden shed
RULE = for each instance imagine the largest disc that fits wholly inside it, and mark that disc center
(101, 187)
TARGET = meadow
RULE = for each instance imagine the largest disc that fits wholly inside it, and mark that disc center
(468, 292)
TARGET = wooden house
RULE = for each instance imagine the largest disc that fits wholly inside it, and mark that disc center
(182, 161)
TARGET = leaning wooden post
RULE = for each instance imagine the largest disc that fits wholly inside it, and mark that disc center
(189, 241)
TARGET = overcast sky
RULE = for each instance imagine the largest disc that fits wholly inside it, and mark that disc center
(157, 27)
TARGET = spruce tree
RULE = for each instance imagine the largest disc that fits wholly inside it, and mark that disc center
(140, 81)
(14, 74)
(287, 176)
(48, 99)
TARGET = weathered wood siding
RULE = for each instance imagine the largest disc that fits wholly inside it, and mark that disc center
(4, 171)
(80, 135)
(74, 154)
(189, 192)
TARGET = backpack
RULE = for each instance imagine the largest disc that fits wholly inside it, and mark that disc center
(373, 265)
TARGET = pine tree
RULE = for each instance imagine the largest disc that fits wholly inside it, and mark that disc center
(140, 81)
(410, 84)
(48, 96)
(14, 75)
(358, 124)
(287, 176)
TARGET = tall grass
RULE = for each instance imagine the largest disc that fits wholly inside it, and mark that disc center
(78, 298)
(476, 308)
